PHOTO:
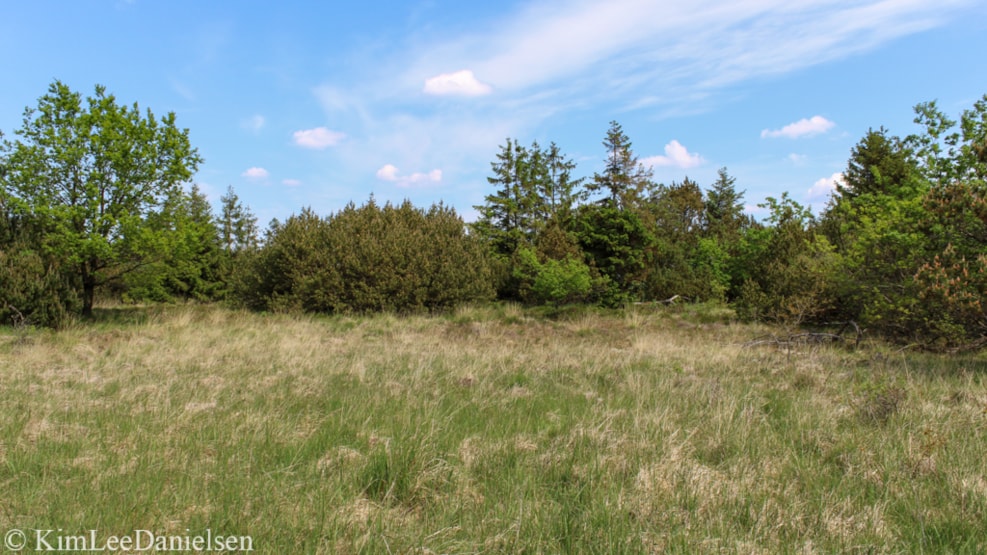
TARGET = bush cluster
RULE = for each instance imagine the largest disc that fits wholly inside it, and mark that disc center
(368, 258)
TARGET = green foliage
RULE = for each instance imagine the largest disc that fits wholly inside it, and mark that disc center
(239, 240)
(404, 258)
(552, 281)
(563, 281)
(724, 217)
(676, 213)
(624, 177)
(911, 227)
(369, 258)
(237, 225)
(954, 289)
(535, 187)
(536, 194)
(507, 220)
(618, 245)
(189, 263)
(946, 154)
(788, 270)
(889, 242)
(34, 289)
(879, 164)
(697, 239)
(953, 285)
(292, 272)
(712, 263)
(90, 173)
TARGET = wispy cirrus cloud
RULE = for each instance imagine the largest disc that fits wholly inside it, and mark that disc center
(550, 58)
(635, 45)
(806, 127)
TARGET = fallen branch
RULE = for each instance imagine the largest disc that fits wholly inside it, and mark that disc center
(669, 301)
(17, 318)
(806, 338)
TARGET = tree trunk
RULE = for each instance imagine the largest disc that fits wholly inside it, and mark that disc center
(88, 291)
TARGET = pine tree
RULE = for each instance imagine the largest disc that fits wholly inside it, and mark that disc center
(724, 207)
(879, 164)
(559, 192)
(506, 219)
(238, 226)
(624, 177)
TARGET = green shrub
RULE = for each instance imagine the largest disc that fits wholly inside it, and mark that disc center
(34, 291)
(371, 258)
(552, 281)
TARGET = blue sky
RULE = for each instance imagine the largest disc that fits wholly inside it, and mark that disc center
(316, 104)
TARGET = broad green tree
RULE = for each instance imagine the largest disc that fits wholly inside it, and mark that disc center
(91, 171)
(946, 153)
(909, 228)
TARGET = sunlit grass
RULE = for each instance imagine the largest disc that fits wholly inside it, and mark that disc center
(490, 429)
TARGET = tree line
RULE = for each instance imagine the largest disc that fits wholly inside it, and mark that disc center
(95, 198)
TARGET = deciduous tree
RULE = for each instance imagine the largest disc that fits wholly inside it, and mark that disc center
(91, 171)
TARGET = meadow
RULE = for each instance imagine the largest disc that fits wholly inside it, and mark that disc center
(490, 429)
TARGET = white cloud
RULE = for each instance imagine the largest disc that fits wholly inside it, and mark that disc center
(801, 128)
(255, 173)
(318, 138)
(390, 173)
(676, 156)
(797, 159)
(387, 173)
(254, 123)
(823, 188)
(459, 83)
(291, 182)
(547, 58)
(679, 48)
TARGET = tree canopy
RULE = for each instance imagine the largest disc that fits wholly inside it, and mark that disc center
(89, 172)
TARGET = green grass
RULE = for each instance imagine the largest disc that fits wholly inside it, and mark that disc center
(490, 430)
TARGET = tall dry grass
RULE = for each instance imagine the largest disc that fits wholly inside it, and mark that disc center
(490, 430)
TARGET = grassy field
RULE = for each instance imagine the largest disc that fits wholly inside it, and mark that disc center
(489, 430)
